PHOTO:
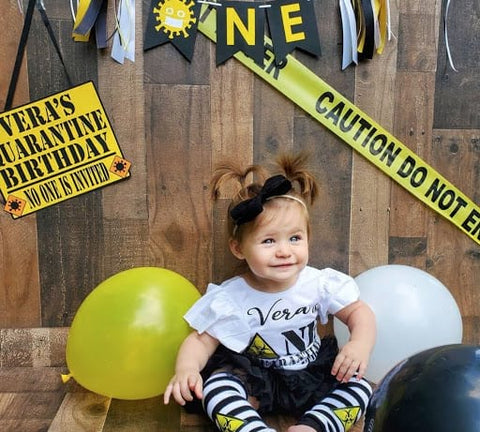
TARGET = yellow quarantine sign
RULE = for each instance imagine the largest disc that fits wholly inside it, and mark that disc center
(357, 129)
(57, 148)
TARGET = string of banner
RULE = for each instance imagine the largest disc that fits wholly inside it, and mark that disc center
(365, 24)
(292, 24)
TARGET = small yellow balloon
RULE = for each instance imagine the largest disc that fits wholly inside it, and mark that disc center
(125, 335)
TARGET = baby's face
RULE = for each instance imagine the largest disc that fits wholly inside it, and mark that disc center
(275, 247)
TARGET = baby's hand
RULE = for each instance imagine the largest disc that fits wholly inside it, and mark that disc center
(352, 359)
(181, 387)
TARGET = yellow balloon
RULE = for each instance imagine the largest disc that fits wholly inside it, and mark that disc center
(125, 335)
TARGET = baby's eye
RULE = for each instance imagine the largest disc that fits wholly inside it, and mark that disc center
(295, 238)
(268, 241)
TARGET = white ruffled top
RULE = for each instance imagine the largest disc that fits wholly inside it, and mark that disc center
(237, 314)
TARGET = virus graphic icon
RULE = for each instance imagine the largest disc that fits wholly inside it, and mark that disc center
(14, 205)
(228, 424)
(259, 348)
(174, 17)
(120, 167)
(348, 416)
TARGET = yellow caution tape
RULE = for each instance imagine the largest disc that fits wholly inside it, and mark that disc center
(357, 129)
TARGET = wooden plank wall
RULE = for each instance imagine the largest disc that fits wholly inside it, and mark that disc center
(175, 120)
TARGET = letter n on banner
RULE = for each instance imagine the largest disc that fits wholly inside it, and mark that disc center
(293, 25)
(240, 27)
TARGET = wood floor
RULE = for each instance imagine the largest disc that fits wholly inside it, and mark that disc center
(34, 399)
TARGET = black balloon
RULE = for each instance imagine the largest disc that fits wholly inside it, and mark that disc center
(437, 390)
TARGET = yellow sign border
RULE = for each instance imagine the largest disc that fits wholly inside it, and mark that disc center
(56, 148)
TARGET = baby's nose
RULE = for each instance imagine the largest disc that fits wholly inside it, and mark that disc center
(283, 249)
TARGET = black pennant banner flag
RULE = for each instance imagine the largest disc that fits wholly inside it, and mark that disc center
(173, 21)
(240, 27)
(293, 25)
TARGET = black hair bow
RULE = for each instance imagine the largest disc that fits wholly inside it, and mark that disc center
(249, 209)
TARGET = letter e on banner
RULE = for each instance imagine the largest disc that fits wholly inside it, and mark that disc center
(293, 25)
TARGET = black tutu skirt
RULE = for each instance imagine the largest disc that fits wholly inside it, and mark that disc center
(278, 390)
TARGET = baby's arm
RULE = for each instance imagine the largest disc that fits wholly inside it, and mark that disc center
(353, 357)
(192, 357)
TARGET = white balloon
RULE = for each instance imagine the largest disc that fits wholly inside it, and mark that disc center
(414, 311)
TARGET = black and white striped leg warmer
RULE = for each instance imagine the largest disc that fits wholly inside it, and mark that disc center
(225, 402)
(340, 409)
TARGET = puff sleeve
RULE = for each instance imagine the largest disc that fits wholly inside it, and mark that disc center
(337, 290)
(216, 314)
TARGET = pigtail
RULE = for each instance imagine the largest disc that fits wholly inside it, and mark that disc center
(248, 189)
(230, 180)
(294, 167)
